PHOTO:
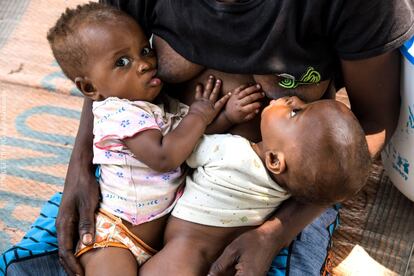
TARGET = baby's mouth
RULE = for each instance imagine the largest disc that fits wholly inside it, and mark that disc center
(153, 79)
(155, 82)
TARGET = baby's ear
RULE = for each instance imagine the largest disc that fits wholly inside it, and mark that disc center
(275, 161)
(87, 88)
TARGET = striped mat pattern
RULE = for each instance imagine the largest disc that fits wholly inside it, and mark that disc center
(39, 114)
(380, 220)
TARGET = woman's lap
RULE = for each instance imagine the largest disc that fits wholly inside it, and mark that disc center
(305, 256)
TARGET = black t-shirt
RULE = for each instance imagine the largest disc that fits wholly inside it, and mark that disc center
(300, 39)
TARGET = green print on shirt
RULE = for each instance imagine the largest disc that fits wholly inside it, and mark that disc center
(311, 76)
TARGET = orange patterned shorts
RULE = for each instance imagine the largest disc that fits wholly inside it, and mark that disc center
(111, 232)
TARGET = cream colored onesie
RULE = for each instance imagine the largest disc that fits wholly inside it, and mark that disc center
(230, 185)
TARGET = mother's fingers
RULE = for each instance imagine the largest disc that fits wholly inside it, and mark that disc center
(65, 229)
(70, 263)
(225, 263)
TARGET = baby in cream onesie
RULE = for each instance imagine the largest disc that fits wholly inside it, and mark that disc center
(316, 153)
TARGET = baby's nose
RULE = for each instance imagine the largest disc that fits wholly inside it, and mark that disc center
(295, 100)
(143, 67)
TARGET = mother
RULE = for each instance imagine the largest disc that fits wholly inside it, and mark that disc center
(290, 47)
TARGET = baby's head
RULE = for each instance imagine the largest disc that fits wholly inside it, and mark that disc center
(317, 151)
(105, 53)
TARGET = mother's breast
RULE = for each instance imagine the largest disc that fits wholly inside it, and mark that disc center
(185, 91)
(172, 67)
(184, 75)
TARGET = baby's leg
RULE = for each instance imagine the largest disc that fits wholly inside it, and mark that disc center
(178, 257)
(190, 248)
(109, 261)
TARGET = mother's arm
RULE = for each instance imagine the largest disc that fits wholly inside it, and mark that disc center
(253, 251)
(373, 88)
(80, 196)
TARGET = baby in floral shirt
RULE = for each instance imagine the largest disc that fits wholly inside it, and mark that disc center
(141, 137)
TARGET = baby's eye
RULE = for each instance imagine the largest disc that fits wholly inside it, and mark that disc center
(121, 62)
(147, 51)
(294, 112)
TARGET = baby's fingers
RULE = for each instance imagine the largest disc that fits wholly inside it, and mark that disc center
(237, 90)
(253, 107)
(209, 86)
(216, 91)
(251, 98)
(251, 115)
(199, 91)
(249, 90)
(220, 103)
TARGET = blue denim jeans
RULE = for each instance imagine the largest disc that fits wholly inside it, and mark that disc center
(306, 255)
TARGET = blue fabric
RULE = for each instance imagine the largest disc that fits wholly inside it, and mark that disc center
(280, 263)
(40, 240)
(307, 254)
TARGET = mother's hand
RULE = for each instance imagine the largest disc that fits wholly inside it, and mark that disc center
(249, 254)
(76, 213)
(253, 251)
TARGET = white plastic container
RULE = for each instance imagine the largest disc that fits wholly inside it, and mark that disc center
(398, 155)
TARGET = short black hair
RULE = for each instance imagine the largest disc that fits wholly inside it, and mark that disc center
(335, 170)
(65, 41)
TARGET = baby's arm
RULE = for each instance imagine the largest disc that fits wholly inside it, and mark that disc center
(165, 153)
(242, 106)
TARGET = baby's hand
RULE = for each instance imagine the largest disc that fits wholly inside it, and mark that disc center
(206, 104)
(244, 103)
